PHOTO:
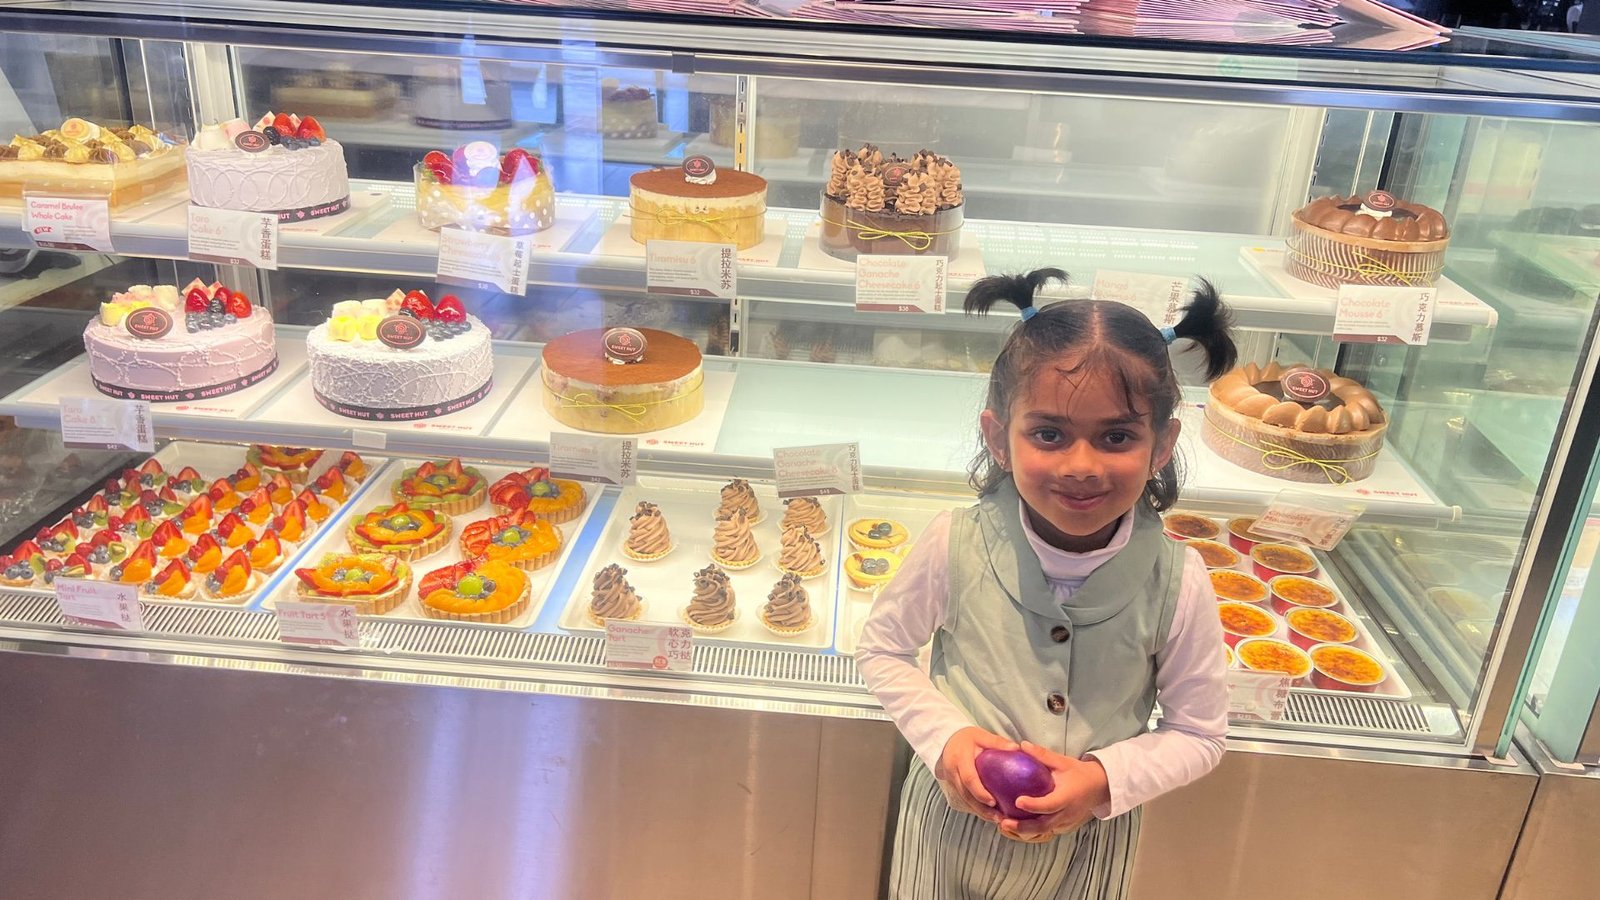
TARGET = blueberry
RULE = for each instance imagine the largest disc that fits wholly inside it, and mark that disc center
(340, 574)
(272, 135)
(100, 555)
(19, 571)
(116, 573)
(315, 142)
(407, 312)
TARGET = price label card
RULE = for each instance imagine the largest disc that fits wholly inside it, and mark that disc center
(1308, 518)
(642, 645)
(68, 223)
(905, 284)
(692, 270)
(818, 469)
(104, 423)
(100, 604)
(1369, 314)
(484, 261)
(1258, 695)
(594, 457)
(318, 624)
(1160, 297)
(233, 237)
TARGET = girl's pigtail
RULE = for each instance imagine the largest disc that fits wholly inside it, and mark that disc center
(1208, 322)
(1018, 290)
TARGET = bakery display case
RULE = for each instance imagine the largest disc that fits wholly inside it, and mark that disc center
(476, 217)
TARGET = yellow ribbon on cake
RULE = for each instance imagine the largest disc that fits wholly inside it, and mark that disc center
(916, 240)
(1368, 267)
(633, 411)
(712, 222)
(1278, 458)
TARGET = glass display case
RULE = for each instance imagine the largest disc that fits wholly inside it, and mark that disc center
(296, 405)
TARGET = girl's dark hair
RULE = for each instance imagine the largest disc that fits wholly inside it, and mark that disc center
(1101, 335)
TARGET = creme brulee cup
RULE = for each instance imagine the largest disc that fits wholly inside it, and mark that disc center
(1269, 561)
(1243, 621)
(1322, 678)
(1239, 587)
(1215, 555)
(1241, 538)
(1294, 591)
(1182, 526)
(1294, 620)
(1303, 667)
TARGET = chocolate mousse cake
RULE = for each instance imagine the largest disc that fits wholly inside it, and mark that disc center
(877, 204)
(1367, 239)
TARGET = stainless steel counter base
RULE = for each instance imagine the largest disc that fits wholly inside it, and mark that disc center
(1556, 859)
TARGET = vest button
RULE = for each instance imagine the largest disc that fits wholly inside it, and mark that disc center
(1059, 634)
(1056, 703)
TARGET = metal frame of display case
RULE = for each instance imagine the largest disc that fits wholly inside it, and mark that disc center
(775, 681)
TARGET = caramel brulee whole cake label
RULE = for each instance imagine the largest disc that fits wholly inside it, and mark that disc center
(1381, 314)
(818, 469)
(642, 645)
(68, 223)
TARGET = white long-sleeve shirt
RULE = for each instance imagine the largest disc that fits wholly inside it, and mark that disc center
(1191, 689)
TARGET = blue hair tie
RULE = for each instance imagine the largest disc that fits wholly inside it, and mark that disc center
(1169, 334)
(1028, 312)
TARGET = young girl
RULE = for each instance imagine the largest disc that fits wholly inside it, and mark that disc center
(1059, 612)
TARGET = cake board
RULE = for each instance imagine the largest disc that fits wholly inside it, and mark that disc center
(618, 241)
(666, 585)
(407, 234)
(967, 265)
(331, 538)
(532, 422)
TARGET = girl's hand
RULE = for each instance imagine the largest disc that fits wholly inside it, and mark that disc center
(958, 775)
(1081, 785)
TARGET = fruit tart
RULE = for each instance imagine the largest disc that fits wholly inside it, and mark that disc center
(353, 466)
(477, 590)
(267, 552)
(373, 583)
(317, 509)
(331, 486)
(75, 565)
(280, 489)
(291, 523)
(133, 525)
(206, 555)
(105, 549)
(139, 567)
(223, 495)
(871, 569)
(400, 530)
(170, 541)
(148, 475)
(246, 479)
(173, 582)
(294, 462)
(159, 502)
(257, 509)
(59, 539)
(877, 534)
(23, 567)
(447, 486)
(554, 500)
(521, 539)
(233, 581)
(188, 483)
(93, 514)
(196, 517)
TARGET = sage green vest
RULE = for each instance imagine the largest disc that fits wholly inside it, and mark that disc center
(998, 656)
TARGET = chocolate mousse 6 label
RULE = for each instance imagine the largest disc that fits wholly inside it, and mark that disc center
(401, 332)
(624, 345)
(1382, 314)
(698, 166)
(148, 323)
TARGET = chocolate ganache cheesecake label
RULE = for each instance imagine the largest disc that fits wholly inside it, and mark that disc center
(148, 323)
(623, 345)
(401, 332)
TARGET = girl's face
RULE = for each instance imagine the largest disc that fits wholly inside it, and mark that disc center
(1080, 458)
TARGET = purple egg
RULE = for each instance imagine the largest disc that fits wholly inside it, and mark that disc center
(1009, 774)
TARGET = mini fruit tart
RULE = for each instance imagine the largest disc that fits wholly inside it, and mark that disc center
(477, 590)
(871, 569)
(267, 552)
(233, 581)
(447, 486)
(257, 509)
(280, 489)
(139, 567)
(373, 583)
(246, 479)
(554, 500)
(169, 540)
(877, 534)
(520, 539)
(188, 483)
(173, 582)
(400, 530)
(291, 523)
(317, 509)
(353, 466)
(58, 540)
(331, 486)
(206, 554)
(294, 462)
(148, 475)
(24, 567)
(196, 517)
(223, 496)
(93, 514)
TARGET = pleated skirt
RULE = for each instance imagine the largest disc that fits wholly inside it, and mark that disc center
(943, 854)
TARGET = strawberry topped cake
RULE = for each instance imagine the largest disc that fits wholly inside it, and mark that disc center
(283, 164)
(400, 358)
(165, 345)
(477, 188)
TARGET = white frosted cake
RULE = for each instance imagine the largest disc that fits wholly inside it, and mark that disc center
(400, 358)
(284, 165)
(162, 345)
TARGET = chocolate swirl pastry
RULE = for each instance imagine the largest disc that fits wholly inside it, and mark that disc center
(788, 608)
(613, 596)
(712, 607)
(648, 537)
(801, 555)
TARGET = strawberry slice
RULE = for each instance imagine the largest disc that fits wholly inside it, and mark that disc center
(103, 538)
(206, 554)
(310, 128)
(199, 507)
(219, 489)
(454, 468)
(171, 581)
(166, 494)
(145, 552)
(417, 303)
(280, 488)
(195, 300)
(27, 550)
(284, 125)
(447, 577)
(151, 467)
(166, 531)
(449, 309)
(426, 470)
(518, 164)
(222, 294)
(135, 515)
(316, 510)
(444, 171)
(237, 305)
(189, 474)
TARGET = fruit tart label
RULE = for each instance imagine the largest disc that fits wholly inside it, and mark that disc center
(594, 457)
(68, 223)
(401, 332)
(317, 624)
(233, 237)
(818, 469)
(642, 645)
(490, 262)
(148, 323)
(104, 423)
(1382, 314)
(100, 604)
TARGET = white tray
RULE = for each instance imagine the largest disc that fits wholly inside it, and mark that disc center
(332, 539)
(666, 585)
(1394, 686)
(915, 512)
(215, 461)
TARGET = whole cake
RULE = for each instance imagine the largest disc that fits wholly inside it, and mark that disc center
(1370, 239)
(1296, 423)
(627, 112)
(400, 358)
(698, 202)
(338, 93)
(165, 345)
(877, 204)
(125, 164)
(622, 380)
(777, 129)
(478, 189)
(446, 98)
(283, 164)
